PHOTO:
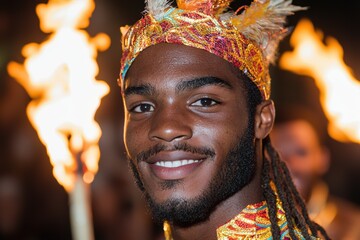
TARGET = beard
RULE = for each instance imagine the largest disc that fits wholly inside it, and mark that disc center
(235, 173)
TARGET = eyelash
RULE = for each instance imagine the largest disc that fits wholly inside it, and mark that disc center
(133, 109)
(213, 102)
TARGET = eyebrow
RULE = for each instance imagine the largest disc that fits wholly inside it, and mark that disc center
(201, 82)
(145, 89)
(184, 85)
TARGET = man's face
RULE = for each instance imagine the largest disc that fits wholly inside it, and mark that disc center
(187, 131)
(299, 146)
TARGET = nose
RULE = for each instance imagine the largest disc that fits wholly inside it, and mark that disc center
(170, 124)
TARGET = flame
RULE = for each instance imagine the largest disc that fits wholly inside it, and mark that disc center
(339, 89)
(59, 75)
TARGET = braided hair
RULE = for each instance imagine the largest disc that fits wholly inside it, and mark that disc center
(274, 170)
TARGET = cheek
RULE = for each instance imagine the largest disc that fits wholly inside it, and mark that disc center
(133, 138)
(303, 166)
(219, 132)
(231, 119)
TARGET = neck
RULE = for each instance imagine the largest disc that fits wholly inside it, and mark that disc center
(226, 210)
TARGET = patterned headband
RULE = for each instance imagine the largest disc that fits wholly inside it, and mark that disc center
(248, 40)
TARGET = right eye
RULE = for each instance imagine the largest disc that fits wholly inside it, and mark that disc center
(205, 102)
(142, 108)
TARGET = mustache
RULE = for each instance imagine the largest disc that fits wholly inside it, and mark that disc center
(146, 154)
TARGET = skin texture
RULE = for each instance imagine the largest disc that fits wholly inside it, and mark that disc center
(299, 146)
(185, 103)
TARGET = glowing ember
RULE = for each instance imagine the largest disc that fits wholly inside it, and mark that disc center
(59, 75)
(339, 90)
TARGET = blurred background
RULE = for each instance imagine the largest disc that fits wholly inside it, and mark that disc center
(34, 206)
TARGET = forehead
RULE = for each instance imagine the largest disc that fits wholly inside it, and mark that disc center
(175, 61)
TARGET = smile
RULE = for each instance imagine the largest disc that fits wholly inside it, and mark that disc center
(175, 164)
(175, 169)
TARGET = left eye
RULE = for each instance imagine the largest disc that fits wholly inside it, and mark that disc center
(142, 108)
(205, 102)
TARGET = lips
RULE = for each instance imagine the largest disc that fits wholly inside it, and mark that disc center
(174, 165)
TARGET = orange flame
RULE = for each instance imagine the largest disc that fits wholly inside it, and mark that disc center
(339, 90)
(59, 75)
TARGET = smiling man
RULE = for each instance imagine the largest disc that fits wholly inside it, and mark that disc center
(196, 90)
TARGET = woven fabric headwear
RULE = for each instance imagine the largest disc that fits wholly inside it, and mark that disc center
(248, 40)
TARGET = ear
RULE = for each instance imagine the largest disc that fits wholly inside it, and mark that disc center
(264, 118)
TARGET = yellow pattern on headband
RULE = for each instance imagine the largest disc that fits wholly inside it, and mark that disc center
(205, 6)
(248, 40)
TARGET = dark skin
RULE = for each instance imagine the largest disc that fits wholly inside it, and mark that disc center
(178, 94)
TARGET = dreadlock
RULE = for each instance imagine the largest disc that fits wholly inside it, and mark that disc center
(275, 172)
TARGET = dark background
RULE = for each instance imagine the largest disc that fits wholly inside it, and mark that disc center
(45, 212)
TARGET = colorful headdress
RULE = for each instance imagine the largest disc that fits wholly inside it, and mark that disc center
(248, 40)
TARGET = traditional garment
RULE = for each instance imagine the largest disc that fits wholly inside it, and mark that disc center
(252, 223)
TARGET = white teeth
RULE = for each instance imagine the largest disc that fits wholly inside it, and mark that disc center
(174, 164)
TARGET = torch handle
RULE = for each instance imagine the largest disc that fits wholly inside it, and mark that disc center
(80, 211)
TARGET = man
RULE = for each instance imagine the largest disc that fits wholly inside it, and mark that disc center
(196, 86)
(298, 137)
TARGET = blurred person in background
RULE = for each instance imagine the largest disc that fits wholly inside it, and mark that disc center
(299, 138)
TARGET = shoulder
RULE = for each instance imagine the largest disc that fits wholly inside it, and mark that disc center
(347, 221)
(346, 209)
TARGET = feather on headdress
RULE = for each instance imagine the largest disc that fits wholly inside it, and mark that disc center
(248, 40)
(157, 8)
(263, 22)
